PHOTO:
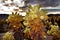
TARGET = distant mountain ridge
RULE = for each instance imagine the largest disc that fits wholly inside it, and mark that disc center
(3, 16)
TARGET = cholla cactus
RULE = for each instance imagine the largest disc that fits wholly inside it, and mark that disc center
(34, 12)
(15, 20)
(56, 35)
(8, 36)
(26, 31)
(54, 28)
(32, 20)
(14, 17)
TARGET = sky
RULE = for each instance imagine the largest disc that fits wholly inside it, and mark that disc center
(53, 3)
